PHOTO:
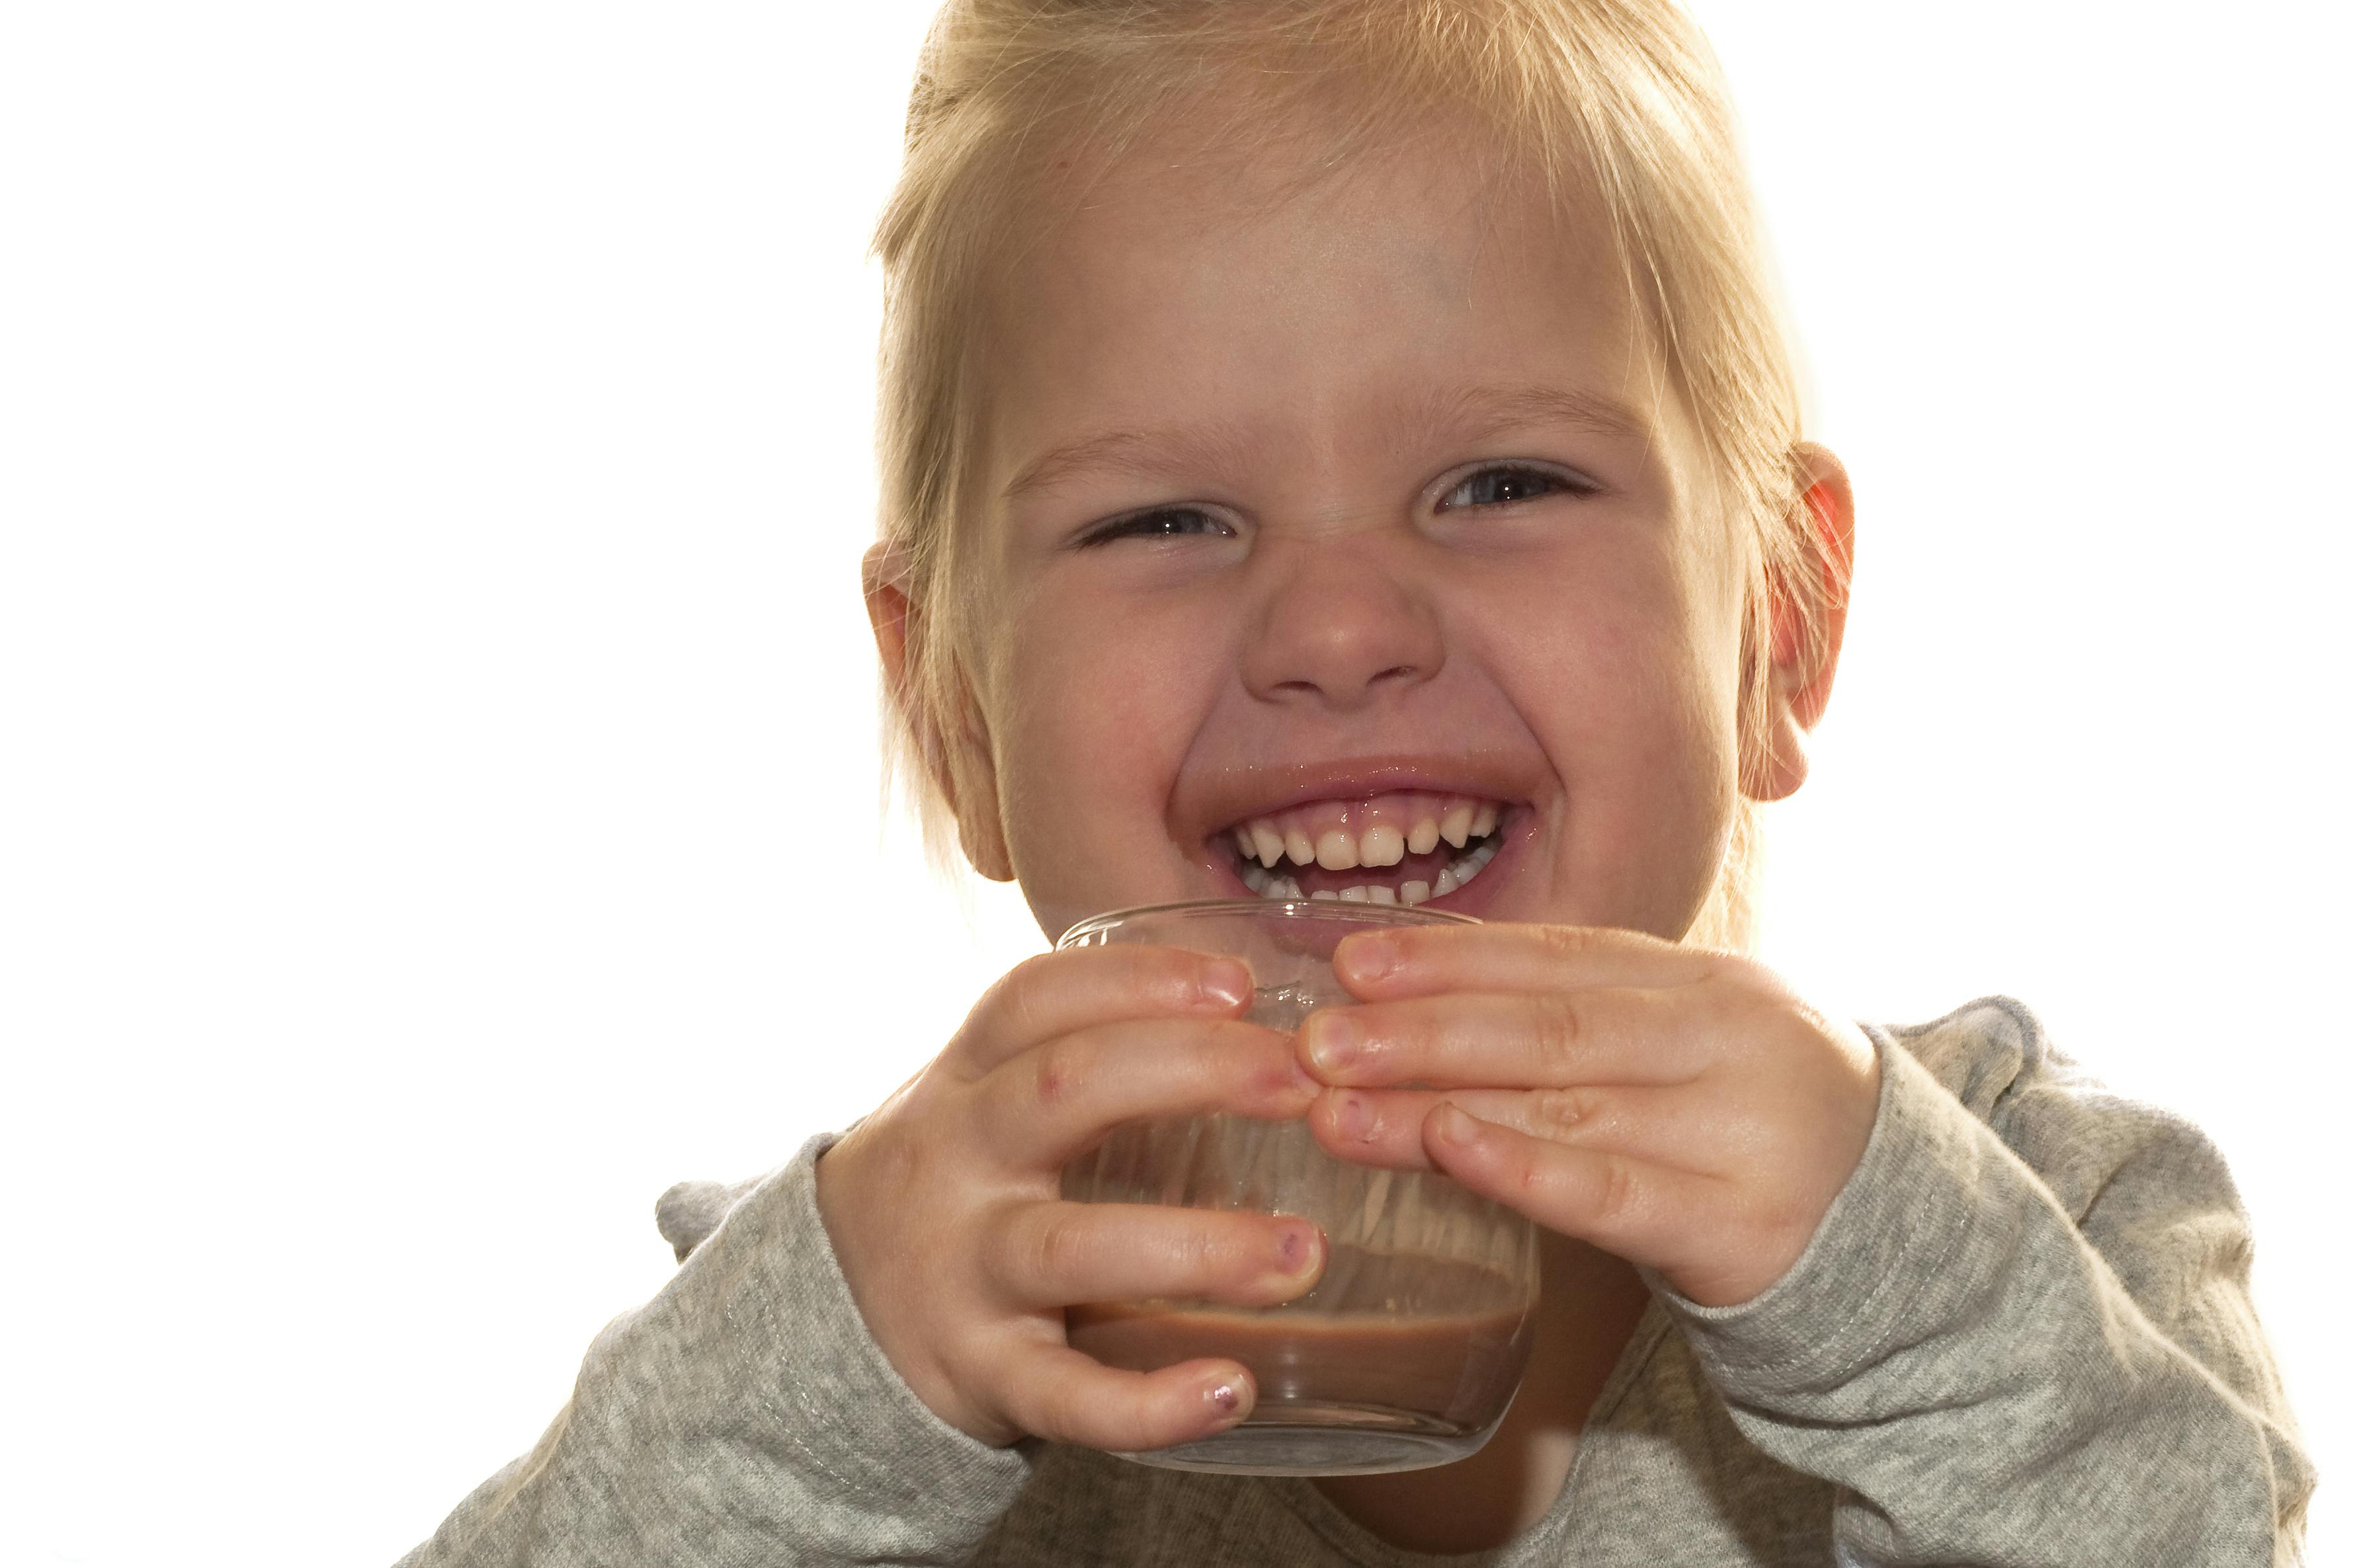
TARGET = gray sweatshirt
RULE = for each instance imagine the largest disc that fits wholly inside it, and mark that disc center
(2022, 1335)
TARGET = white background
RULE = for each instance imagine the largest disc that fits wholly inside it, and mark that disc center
(437, 785)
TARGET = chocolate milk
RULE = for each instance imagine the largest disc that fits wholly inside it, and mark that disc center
(1455, 1367)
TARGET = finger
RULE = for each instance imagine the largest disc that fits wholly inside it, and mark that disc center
(1511, 1040)
(1043, 1108)
(1637, 1210)
(1057, 993)
(1417, 961)
(1387, 1127)
(1060, 1394)
(1056, 1254)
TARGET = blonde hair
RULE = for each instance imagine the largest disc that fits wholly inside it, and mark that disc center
(1617, 98)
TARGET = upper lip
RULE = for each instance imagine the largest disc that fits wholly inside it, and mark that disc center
(1222, 800)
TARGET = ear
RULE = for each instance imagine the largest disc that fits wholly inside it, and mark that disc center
(1805, 637)
(959, 763)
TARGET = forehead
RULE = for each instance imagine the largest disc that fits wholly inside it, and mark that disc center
(1264, 300)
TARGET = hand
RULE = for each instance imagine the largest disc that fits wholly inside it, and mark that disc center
(944, 1211)
(1676, 1107)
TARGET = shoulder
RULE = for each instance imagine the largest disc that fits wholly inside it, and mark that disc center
(2106, 1157)
(1988, 1054)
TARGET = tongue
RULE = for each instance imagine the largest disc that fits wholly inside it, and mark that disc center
(1317, 878)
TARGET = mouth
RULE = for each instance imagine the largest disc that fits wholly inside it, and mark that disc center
(1397, 848)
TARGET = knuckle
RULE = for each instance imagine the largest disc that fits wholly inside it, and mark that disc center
(886, 1163)
(1244, 1053)
(1569, 941)
(1057, 1073)
(901, 1163)
(1563, 1114)
(1556, 1031)
(1736, 993)
(1056, 1250)
(1160, 978)
(1216, 1066)
(1527, 1179)
(1176, 969)
(1617, 1201)
(1741, 969)
(1729, 997)
(1717, 960)
(1200, 1252)
(1079, 1410)
(1012, 1005)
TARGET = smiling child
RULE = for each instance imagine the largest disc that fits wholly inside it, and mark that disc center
(1347, 449)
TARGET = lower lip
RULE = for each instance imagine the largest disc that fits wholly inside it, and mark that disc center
(1472, 899)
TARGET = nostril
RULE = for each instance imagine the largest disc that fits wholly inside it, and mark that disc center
(1405, 674)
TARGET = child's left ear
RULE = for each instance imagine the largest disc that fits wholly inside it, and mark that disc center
(1806, 630)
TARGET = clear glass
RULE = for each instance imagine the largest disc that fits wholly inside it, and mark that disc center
(1407, 1350)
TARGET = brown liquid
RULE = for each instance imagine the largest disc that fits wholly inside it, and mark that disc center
(1457, 1367)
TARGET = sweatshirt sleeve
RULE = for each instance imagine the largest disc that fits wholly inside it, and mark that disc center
(743, 1415)
(2022, 1334)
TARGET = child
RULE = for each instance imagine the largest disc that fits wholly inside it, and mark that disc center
(1345, 447)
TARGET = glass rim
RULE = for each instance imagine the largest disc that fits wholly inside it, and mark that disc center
(1325, 908)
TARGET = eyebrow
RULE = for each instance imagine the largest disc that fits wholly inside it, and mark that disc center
(1150, 453)
(1483, 409)
(1463, 415)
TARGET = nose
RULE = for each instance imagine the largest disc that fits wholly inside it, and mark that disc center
(1341, 622)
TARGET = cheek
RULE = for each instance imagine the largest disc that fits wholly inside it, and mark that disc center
(1092, 712)
(1655, 791)
(1621, 673)
(1616, 641)
(1634, 708)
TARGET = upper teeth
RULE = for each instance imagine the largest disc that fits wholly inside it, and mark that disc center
(1342, 836)
(1457, 873)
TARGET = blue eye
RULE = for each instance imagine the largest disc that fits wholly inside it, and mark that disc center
(1506, 484)
(1170, 522)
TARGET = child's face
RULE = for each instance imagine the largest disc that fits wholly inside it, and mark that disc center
(1299, 606)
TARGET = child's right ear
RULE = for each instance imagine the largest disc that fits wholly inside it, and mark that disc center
(885, 587)
(885, 579)
(958, 766)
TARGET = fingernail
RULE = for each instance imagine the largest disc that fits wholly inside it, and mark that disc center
(1353, 1119)
(1455, 1126)
(1226, 981)
(1294, 1249)
(1228, 1400)
(1367, 956)
(1334, 1041)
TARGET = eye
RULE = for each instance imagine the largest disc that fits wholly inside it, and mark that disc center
(1504, 484)
(1166, 522)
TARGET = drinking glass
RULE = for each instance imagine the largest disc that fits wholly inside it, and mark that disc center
(1407, 1350)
